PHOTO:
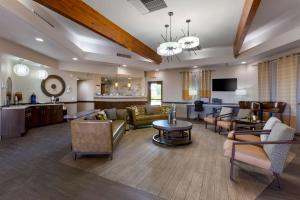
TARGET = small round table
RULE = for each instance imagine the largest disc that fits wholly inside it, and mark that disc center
(172, 134)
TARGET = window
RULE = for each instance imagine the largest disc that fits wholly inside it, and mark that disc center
(155, 92)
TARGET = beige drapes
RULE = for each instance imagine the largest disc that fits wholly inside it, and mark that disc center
(186, 82)
(264, 82)
(287, 70)
(205, 87)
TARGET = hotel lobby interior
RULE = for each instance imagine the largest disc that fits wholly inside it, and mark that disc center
(149, 99)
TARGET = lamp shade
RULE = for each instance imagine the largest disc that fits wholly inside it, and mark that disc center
(21, 70)
(42, 74)
(169, 49)
(189, 42)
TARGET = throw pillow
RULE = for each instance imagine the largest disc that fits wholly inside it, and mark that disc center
(139, 110)
(165, 109)
(151, 110)
(111, 113)
(101, 115)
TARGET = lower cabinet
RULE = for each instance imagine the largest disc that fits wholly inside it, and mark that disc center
(16, 122)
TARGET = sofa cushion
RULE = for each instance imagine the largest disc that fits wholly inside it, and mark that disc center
(251, 154)
(111, 113)
(244, 113)
(150, 110)
(268, 126)
(117, 125)
(90, 117)
(278, 152)
(210, 120)
(101, 115)
(224, 124)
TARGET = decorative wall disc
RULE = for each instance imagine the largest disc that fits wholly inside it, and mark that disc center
(53, 86)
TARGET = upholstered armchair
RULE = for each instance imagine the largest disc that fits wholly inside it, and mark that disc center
(270, 154)
(228, 123)
(240, 136)
(211, 118)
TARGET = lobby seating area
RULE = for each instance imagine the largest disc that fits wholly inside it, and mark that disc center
(149, 100)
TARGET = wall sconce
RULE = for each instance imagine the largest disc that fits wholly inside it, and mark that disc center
(21, 69)
(68, 89)
(42, 74)
(116, 84)
(129, 85)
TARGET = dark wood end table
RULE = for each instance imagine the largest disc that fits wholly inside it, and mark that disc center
(172, 134)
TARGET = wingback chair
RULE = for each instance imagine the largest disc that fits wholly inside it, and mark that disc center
(246, 135)
(270, 154)
(211, 118)
(228, 124)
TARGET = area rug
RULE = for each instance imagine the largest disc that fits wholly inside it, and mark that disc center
(196, 171)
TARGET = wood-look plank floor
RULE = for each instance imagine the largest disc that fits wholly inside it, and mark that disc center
(31, 168)
(197, 171)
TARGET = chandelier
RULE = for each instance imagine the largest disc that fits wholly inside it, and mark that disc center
(171, 48)
(189, 42)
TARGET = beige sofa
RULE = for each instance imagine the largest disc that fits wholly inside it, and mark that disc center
(96, 137)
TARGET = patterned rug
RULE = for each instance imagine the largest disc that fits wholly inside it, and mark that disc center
(196, 171)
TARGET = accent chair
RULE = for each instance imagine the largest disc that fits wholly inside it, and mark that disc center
(270, 154)
(211, 118)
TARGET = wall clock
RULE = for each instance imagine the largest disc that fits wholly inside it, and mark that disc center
(53, 86)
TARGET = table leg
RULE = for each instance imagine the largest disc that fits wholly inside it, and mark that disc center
(159, 133)
(190, 135)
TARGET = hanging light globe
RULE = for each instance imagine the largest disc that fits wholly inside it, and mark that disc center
(169, 49)
(189, 42)
(42, 74)
(21, 69)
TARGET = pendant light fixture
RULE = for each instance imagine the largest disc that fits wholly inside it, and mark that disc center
(169, 47)
(189, 42)
(21, 69)
(42, 74)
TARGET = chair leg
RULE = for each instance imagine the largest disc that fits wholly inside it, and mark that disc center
(220, 129)
(277, 177)
(206, 125)
(74, 156)
(231, 169)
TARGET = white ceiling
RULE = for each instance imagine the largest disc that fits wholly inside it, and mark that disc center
(214, 21)
(222, 15)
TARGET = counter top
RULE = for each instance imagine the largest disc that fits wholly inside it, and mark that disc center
(24, 106)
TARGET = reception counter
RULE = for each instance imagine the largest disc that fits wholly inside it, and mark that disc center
(119, 102)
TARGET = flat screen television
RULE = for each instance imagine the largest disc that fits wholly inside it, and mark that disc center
(228, 84)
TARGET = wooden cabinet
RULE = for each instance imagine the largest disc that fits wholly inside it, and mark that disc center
(16, 122)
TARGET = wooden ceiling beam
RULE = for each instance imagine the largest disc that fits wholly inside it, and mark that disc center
(248, 14)
(83, 14)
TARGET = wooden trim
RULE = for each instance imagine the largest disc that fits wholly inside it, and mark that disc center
(83, 14)
(248, 14)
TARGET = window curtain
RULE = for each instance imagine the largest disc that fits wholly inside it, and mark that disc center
(264, 82)
(191, 85)
(205, 86)
(287, 71)
(186, 82)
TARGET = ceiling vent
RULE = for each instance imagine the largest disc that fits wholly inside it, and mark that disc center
(123, 55)
(147, 6)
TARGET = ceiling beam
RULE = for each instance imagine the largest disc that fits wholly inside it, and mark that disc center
(83, 14)
(248, 14)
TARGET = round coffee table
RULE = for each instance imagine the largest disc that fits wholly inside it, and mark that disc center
(172, 134)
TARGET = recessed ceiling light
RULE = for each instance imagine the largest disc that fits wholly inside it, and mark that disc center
(195, 66)
(74, 58)
(39, 39)
(243, 62)
(124, 65)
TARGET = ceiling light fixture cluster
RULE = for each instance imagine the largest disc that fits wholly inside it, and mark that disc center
(172, 47)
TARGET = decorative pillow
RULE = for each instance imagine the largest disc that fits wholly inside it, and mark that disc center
(101, 115)
(165, 109)
(269, 126)
(243, 113)
(139, 110)
(111, 113)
